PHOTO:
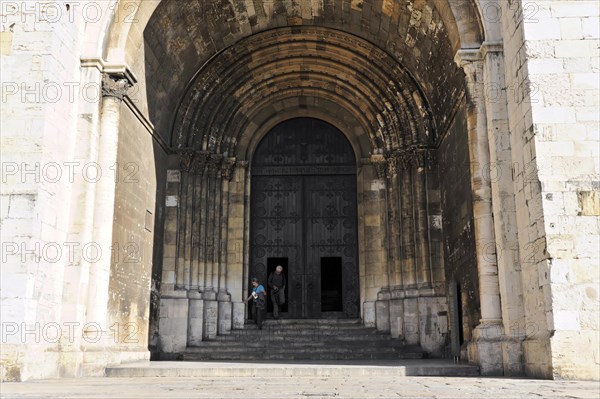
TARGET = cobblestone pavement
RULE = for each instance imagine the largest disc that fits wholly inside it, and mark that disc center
(286, 387)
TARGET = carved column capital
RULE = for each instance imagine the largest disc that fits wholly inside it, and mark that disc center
(393, 163)
(228, 168)
(199, 163)
(214, 165)
(423, 157)
(380, 164)
(466, 57)
(186, 158)
(243, 164)
(404, 159)
(115, 85)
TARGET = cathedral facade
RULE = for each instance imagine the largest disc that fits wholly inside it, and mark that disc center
(429, 167)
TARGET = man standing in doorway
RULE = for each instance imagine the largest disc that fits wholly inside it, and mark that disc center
(277, 283)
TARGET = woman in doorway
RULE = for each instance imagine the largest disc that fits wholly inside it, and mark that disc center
(258, 297)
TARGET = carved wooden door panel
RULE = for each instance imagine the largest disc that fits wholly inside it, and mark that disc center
(331, 239)
(303, 214)
(276, 232)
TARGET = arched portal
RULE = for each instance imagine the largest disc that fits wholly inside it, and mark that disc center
(214, 81)
(304, 217)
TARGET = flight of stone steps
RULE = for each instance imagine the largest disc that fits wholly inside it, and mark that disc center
(304, 340)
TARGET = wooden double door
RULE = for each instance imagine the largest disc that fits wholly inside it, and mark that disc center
(304, 218)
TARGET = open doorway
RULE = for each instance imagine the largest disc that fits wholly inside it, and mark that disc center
(331, 284)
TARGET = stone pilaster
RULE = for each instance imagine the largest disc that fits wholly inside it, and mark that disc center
(504, 208)
(393, 195)
(381, 305)
(114, 88)
(486, 349)
(422, 159)
(407, 224)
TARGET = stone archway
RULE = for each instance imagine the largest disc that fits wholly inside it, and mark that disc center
(399, 101)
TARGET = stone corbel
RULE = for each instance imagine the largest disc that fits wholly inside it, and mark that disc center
(115, 86)
(380, 164)
(117, 79)
(228, 168)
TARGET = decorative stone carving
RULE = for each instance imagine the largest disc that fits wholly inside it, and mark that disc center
(199, 163)
(186, 158)
(423, 157)
(380, 164)
(214, 163)
(115, 85)
(228, 168)
(393, 163)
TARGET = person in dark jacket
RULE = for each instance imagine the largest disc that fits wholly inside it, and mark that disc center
(258, 296)
(277, 283)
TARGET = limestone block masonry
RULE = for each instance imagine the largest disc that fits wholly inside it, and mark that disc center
(128, 134)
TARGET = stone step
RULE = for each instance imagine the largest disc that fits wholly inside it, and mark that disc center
(337, 369)
(333, 343)
(312, 322)
(301, 348)
(303, 340)
(298, 329)
(311, 330)
(288, 356)
(278, 336)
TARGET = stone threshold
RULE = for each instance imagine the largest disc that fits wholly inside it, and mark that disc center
(348, 369)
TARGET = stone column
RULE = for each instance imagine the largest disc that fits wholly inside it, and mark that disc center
(382, 304)
(183, 215)
(422, 159)
(486, 348)
(396, 307)
(198, 170)
(224, 297)
(504, 208)
(410, 311)
(114, 89)
(393, 203)
(409, 275)
(213, 210)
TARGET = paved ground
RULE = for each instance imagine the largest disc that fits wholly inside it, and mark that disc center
(304, 387)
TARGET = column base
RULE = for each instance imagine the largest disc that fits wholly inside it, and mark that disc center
(512, 353)
(485, 349)
(224, 313)
(211, 318)
(173, 322)
(396, 317)
(238, 316)
(195, 318)
(382, 310)
(369, 318)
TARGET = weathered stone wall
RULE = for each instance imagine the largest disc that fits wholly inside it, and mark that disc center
(138, 205)
(39, 134)
(551, 61)
(59, 300)
(457, 214)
